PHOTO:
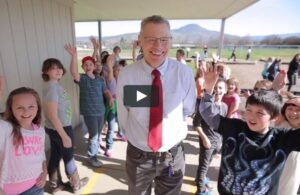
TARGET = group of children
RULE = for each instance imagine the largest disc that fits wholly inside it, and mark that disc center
(23, 136)
(255, 149)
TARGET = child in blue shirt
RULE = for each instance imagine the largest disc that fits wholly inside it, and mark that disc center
(92, 89)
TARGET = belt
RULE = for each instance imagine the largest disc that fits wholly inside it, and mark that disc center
(170, 153)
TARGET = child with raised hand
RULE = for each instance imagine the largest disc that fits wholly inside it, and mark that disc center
(97, 48)
(199, 80)
(253, 153)
(97, 56)
(267, 65)
(22, 157)
(232, 98)
(92, 107)
(110, 112)
(264, 84)
(290, 178)
(210, 141)
(223, 70)
(58, 118)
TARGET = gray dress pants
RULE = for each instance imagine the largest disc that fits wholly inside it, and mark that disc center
(147, 169)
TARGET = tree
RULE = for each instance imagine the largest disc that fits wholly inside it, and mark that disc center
(292, 40)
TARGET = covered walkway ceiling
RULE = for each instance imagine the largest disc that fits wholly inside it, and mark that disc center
(109, 10)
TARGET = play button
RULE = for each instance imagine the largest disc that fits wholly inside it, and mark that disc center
(140, 96)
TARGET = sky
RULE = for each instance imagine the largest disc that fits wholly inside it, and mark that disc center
(262, 18)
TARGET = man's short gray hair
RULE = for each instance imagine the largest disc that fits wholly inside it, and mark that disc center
(156, 19)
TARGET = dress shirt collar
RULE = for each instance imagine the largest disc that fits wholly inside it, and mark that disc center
(162, 68)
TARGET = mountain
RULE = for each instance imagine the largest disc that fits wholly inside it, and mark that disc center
(189, 34)
(282, 36)
(195, 34)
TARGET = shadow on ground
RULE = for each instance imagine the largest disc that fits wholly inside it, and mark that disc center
(113, 192)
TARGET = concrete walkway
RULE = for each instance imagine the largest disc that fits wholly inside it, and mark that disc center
(111, 179)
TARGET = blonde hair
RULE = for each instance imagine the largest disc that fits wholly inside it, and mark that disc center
(264, 84)
(226, 70)
(235, 82)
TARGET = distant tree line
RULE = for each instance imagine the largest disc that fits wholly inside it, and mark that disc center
(125, 42)
(276, 40)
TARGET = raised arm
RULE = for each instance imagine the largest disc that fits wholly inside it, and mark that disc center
(73, 65)
(279, 81)
(211, 77)
(110, 63)
(97, 49)
(207, 108)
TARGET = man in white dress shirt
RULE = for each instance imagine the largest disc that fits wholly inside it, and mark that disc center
(165, 165)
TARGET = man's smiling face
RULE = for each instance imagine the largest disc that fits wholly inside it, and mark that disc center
(155, 40)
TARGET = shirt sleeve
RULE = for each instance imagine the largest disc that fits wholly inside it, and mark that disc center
(189, 100)
(291, 140)
(51, 94)
(81, 76)
(121, 109)
(209, 111)
(225, 107)
(43, 142)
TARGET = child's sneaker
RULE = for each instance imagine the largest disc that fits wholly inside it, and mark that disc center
(101, 150)
(95, 162)
(121, 137)
(206, 192)
(207, 184)
(108, 153)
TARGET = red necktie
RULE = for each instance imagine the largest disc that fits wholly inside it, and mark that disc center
(156, 115)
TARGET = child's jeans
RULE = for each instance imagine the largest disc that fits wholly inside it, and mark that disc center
(205, 158)
(94, 125)
(111, 120)
(34, 191)
(58, 151)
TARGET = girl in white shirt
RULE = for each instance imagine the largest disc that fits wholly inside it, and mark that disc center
(290, 178)
(22, 157)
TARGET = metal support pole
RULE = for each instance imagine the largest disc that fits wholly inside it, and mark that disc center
(100, 35)
(221, 39)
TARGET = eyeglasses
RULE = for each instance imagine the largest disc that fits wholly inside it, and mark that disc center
(162, 40)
